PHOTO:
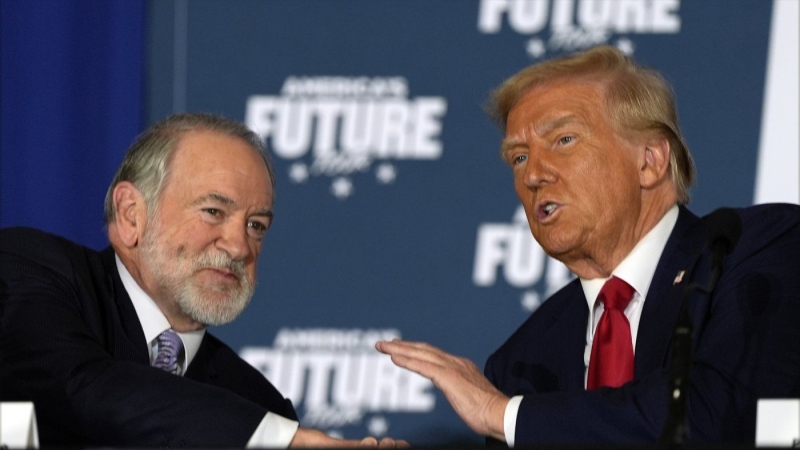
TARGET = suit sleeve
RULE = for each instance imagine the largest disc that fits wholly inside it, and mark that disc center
(56, 347)
(746, 346)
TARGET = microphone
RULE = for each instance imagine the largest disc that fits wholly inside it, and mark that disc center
(723, 228)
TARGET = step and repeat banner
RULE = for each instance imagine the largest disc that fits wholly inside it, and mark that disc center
(395, 216)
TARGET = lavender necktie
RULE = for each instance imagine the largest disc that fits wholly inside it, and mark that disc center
(170, 348)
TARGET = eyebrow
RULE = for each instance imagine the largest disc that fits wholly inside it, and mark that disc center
(225, 200)
(539, 129)
(217, 197)
(264, 213)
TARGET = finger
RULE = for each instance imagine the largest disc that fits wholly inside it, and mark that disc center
(418, 360)
(368, 441)
(399, 343)
(387, 442)
(395, 345)
(426, 360)
(417, 350)
(420, 366)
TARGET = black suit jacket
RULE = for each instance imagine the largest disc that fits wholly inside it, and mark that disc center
(746, 343)
(71, 342)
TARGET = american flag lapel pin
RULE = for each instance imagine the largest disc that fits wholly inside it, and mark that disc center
(678, 277)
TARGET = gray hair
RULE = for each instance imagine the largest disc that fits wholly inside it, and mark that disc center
(146, 163)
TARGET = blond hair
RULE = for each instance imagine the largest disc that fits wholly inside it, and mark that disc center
(636, 98)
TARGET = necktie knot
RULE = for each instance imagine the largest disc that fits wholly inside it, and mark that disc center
(616, 294)
(170, 348)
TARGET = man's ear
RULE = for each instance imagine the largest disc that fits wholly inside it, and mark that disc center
(131, 213)
(654, 167)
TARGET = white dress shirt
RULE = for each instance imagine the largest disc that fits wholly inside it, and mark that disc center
(637, 269)
(274, 431)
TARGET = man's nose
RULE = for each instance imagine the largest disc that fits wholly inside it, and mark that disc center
(538, 171)
(234, 240)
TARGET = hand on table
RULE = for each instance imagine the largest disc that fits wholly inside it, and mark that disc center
(307, 437)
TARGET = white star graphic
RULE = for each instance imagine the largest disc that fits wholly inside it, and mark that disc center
(530, 301)
(386, 173)
(536, 48)
(626, 46)
(378, 426)
(298, 172)
(342, 188)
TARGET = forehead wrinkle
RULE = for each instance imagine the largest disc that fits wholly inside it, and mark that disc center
(553, 123)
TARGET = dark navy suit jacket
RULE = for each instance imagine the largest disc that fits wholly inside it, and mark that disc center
(71, 342)
(746, 343)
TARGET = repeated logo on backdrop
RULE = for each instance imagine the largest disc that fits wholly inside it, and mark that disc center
(336, 378)
(575, 25)
(508, 251)
(340, 127)
(376, 141)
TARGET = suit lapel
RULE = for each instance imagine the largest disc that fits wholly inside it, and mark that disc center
(203, 368)
(568, 333)
(663, 301)
(129, 342)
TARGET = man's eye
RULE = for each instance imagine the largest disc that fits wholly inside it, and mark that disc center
(256, 229)
(566, 140)
(213, 212)
(518, 159)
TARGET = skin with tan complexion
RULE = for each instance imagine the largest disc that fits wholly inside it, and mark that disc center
(216, 203)
(589, 194)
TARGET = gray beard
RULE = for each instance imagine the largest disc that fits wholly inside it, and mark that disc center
(208, 306)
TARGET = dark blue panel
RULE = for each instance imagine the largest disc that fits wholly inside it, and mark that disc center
(72, 75)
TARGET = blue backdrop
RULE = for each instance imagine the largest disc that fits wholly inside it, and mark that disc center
(71, 74)
(394, 215)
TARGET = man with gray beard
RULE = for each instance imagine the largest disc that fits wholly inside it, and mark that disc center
(111, 346)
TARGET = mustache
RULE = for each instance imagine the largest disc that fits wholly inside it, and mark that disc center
(220, 260)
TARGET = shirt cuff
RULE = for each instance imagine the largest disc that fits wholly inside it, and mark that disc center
(510, 419)
(274, 431)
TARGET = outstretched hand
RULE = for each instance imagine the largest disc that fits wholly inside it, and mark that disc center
(479, 404)
(307, 437)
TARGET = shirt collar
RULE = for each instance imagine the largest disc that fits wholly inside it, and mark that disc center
(638, 268)
(152, 319)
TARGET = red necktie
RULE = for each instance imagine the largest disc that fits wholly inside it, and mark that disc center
(611, 363)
